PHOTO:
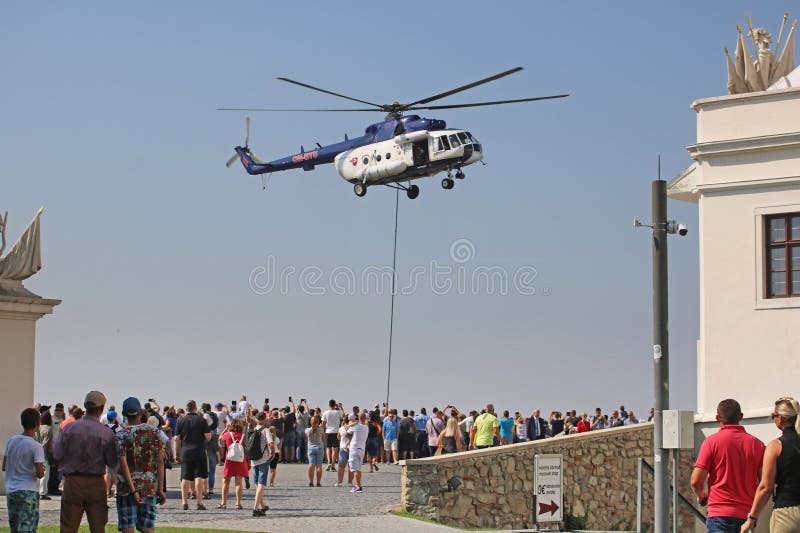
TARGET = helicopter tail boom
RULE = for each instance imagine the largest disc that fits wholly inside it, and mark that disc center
(252, 166)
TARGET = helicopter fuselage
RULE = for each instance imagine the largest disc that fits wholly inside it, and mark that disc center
(396, 150)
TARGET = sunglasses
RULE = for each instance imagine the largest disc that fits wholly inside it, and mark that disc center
(774, 416)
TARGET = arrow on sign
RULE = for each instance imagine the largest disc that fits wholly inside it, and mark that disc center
(552, 507)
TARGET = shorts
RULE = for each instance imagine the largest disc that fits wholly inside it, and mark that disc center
(355, 459)
(289, 439)
(390, 445)
(23, 510)
(260, 474)
(331, 440)
(785, 519)
(315, 455)
(407, 443)
(194, 468)
(344, 455)
(273, 463)
(373, 446)
(130, 514)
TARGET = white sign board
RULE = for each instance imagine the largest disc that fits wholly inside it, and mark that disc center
(548, 488)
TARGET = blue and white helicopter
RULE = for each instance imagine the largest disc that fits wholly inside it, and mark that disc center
(394, 152)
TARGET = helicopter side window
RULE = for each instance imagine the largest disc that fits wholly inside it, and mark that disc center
(454, 142)
(445, 144)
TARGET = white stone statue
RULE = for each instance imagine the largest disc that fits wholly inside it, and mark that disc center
(25, 258)
(748, 75)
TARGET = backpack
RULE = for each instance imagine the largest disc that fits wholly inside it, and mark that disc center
(253, 447)
(236, 451)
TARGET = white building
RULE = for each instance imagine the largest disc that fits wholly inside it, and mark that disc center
(746, 183)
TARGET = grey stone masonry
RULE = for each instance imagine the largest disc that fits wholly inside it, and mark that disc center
(496, 491)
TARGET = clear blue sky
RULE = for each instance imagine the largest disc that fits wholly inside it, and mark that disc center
(109, 121)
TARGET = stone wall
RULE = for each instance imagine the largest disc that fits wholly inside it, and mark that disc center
(599, 477)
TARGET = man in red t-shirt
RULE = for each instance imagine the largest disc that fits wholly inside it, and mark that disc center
(731, 461)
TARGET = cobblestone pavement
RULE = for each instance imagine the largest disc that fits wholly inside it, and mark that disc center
(294, 506)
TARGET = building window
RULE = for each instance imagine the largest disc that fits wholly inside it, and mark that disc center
(782, 253)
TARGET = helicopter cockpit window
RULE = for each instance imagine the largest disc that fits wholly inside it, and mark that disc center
(454, 142)
(463, 137)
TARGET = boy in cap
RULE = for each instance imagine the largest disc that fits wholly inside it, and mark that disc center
(23, 464)
(141, 465)
(83, 450)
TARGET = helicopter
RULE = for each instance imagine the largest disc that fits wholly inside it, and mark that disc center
(394, 152)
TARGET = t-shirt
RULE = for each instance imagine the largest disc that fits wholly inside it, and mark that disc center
(344, 438)
(266, 440)
(140, 445)
(420, 420)
(332, 419)
(484, 429)
(22, 453)
(244, 406)
(223, 418)
(302, 421)
(192, 429)
(390, 428)
(506, 428)
(407, 427)
(314, 439)
(433, 428)
(358, 439)
(732, 458)
(289, 422)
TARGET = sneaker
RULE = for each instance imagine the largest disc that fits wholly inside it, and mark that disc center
(319, 484)
(310, 484)
(376, 467)
(356, 489)
(337, 484)
(397, 463)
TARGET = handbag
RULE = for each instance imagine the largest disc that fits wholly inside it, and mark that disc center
(236, 451)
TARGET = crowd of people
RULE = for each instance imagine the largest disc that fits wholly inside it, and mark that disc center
(87, 455)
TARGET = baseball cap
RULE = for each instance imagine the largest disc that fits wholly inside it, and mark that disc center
(111, 415)
(219, 404)
(60, 406)
(43, 408)
(131, 406)
(94, 399)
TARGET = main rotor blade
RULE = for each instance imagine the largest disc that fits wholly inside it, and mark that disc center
(463, 87)
(307, 86)
(294, 110)
(478, 104)
(232, 160)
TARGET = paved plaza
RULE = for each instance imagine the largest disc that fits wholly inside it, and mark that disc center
(294, 506)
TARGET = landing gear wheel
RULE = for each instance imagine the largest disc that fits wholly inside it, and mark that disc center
(459, 175)
(447, 183)
(360, 189)
(412, 192)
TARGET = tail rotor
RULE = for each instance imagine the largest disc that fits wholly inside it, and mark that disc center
(235, 157)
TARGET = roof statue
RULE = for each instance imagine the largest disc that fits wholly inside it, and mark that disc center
(761, 70)
(25, 258)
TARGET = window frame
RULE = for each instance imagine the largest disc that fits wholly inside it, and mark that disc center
(787, 245)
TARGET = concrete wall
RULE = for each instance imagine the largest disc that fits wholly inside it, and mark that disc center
(600, 477)
(748, 167)
(18, 316)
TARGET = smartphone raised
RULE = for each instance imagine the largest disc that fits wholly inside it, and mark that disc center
(233, 405)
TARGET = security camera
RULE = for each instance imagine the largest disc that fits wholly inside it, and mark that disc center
(673, 228)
